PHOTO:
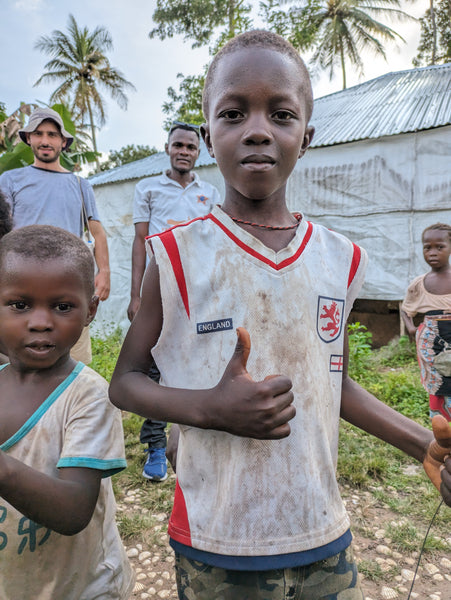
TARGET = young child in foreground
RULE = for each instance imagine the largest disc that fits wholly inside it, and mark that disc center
(60, 437)
(430, 294)
(257, 511)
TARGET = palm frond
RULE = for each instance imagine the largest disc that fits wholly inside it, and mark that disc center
(79, 63)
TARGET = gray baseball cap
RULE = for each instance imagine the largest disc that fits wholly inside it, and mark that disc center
(44, 114)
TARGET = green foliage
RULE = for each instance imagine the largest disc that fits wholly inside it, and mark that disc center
(105, 353)
(211, 22)
(371, 570)
(401, 389)
(337, 31)
(359, 347)
(80, 67)
(133, 526)
(21, 155)
(18, 154)
(132, 427)
(379, 372)
(66, 116)
(404, 536)
(10, 125)
(435, 40)
(140, 528)
(362, 458)
(297, 25)
(199, 20)
(397, 353)
(186, 105)
(125, 155)
(392, 375)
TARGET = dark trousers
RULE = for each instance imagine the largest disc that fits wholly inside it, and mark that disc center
(153, 432)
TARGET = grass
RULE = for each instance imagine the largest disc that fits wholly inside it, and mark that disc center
(373, 571)
(391, 373)
(159, 499)
(404, 536)
(137, 528)
(105, 353)
(364, 462)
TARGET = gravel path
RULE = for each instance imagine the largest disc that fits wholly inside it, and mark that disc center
(154, 564)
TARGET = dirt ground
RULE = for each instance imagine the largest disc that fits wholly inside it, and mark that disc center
(154, 564)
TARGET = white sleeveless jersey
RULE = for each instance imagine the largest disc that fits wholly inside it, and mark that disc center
(235, 495)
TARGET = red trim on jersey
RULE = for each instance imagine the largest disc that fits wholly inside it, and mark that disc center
(148, 238)
(178, 527)
(171, 247)
(259, 256)
(183, 224)
(355, 263)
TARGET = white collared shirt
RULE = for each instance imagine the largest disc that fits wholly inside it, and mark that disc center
(163, 202)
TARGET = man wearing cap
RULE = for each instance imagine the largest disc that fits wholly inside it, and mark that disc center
(163, 201)
(46, 193)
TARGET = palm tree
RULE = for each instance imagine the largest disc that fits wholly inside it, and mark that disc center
(339, 30)
(79, 63)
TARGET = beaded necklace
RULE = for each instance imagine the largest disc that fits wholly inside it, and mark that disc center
(298, 217)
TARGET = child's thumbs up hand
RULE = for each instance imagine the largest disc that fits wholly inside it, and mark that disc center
(257, 409)
(437, 462)
(238, 362)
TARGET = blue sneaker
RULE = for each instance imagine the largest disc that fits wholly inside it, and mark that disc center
(156, 468)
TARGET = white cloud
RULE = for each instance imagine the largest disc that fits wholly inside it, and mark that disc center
(29, 5)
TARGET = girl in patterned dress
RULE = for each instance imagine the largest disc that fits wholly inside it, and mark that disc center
(430, 294)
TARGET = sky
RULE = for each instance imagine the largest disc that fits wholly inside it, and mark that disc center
(151, 65)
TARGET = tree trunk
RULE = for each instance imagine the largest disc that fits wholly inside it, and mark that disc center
(434, 33)
(232, 18)
(93, 135)
(343, 68)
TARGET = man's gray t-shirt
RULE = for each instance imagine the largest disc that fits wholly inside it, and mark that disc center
(42, 197)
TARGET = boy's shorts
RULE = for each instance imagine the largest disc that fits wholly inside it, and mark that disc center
(335, 578)
(82, 349)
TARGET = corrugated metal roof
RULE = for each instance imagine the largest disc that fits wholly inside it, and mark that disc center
(394, 103)
(146, 167)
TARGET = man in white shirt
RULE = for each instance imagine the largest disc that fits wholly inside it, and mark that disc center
(160, 202)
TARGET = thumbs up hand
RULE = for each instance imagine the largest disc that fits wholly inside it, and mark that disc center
(437, 462)
(256, 409)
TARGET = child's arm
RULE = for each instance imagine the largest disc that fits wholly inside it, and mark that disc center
(237, 404)
(410, 325)
(363, 410)
(138, 267)
(64, 504)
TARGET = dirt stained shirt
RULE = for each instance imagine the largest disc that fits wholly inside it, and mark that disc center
(76, 426)
(235, 495)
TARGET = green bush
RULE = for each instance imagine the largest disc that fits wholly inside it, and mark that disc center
(105, 353)
(392, 375)
(402, 390)
(359, 348)
(397, 353)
